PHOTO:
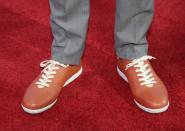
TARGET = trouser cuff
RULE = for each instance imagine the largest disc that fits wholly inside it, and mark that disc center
(131, 52)
(71, 60)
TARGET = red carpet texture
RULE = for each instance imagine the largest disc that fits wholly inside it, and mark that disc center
(99, 100)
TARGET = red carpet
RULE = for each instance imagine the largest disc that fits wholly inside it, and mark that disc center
(99, 100)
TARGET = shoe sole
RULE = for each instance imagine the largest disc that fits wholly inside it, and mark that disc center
(71, 79)
(149, 110)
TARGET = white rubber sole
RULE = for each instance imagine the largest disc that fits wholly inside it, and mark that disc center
(153, 111)
(160, 110)
(37, 111)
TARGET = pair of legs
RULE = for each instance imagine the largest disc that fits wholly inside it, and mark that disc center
(69, 22)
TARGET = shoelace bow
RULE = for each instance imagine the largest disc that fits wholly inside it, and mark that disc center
(146, 77)
(48, 72)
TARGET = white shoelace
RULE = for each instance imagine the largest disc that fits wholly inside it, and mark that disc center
(48, 72)
(142, 71)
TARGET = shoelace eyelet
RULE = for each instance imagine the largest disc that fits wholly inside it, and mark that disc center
(145, 72)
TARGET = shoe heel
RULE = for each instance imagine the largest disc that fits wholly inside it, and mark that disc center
(75, 76)
(121, 74)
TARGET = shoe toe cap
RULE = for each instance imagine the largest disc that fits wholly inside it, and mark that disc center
(153, 101)
(157, 104)
(30, 104)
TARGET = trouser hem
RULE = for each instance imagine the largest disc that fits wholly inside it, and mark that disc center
(71, 60)
(131, 52)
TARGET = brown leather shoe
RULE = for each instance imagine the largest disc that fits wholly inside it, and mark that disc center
(43, 92)
(148, 90)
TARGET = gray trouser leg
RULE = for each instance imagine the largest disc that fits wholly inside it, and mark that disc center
(133, 18)
(69, 20)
